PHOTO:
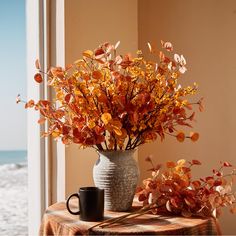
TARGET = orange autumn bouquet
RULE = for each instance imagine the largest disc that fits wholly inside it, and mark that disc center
(114, 102)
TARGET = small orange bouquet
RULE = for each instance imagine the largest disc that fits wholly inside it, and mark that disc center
(114, 102)
(172, 190)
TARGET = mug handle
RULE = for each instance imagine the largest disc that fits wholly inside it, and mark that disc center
(68, 206)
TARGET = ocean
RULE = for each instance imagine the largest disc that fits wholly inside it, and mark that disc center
(9, 157)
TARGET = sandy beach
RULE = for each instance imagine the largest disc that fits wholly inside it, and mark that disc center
(13, 200)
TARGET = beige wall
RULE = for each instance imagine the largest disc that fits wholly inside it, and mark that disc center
(204, 31)
(89, 23)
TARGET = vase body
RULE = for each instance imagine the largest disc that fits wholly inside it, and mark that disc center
(117, 173)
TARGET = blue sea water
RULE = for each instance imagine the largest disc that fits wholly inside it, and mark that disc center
(7, 157)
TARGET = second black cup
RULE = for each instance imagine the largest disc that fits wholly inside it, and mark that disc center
(91, 203)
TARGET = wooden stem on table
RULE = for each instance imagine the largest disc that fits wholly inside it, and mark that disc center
(135, 214)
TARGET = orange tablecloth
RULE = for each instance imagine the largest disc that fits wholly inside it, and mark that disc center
(58, 221)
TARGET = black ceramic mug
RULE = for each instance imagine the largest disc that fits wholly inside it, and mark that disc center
(91, 203)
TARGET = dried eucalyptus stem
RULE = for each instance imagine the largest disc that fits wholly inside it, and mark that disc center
(109, 222)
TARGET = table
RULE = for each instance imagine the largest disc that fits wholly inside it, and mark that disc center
(58, 221)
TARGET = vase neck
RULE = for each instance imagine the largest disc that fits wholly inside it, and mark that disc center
(116, 154)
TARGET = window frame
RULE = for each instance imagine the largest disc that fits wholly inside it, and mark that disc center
(46, 160)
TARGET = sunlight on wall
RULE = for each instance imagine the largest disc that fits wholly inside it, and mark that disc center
(203, 31)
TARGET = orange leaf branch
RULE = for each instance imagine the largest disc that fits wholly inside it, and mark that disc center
(143, 98)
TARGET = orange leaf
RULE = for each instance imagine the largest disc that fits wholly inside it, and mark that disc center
(65, 140)
(41, 120)
(44, 103)
(196, 162)
(170, 164)
(216, 172)
(196, 183)
(57, 72)
(181, 162)
(106, 117)
(55, 134)
(38, 78)
(117, 130)
(180, 137)
(37, 64)
(68, 98)
(102, 98)
(194, 136)
(210, 180)
(227, 164)
(186, 169)
(88, 53)
(65, 130)
(29, 104)
(99, 53)
(218, 182)
(97, 74)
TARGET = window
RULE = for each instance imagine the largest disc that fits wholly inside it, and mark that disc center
(45, 41)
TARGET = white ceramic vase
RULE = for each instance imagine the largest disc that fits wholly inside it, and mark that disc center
(117, 173)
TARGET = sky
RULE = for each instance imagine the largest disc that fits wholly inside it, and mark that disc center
(12, 74)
